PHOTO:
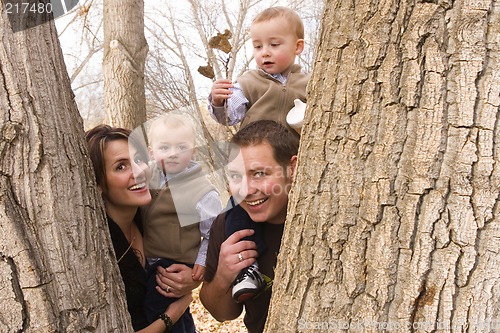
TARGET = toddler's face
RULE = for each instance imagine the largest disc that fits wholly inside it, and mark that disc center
(172, 148)
(275, 45)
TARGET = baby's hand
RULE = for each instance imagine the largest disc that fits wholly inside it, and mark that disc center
(220, 91)
(198, 272)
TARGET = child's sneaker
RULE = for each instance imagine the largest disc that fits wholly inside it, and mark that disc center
(248, 284)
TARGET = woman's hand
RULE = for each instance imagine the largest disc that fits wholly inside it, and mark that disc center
(175, 281)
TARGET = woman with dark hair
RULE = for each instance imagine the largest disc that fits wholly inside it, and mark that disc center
(122, 176)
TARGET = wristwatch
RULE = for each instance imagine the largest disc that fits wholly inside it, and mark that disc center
(168, 322)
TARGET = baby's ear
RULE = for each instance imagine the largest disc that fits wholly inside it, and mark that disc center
(299, 47)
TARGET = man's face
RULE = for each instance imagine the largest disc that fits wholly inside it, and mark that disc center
(259, 183)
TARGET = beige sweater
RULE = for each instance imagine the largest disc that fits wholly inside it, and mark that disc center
(268, 98)
(171, 222)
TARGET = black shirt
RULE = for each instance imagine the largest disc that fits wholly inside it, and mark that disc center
(256, 308)
(133, 274)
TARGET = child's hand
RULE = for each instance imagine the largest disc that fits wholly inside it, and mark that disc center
(198, 272)
(220, 91)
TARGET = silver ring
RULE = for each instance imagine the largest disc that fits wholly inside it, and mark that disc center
(240, 257)
(168, 289)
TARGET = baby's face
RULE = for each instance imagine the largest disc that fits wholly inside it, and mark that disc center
(275, 45)
(172, 148)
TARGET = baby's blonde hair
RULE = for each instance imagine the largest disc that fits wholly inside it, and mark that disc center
(171, 121)
(289, 15)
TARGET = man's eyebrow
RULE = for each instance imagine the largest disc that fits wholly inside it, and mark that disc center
(259, 168)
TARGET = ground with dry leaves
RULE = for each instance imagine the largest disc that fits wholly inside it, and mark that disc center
(205, 323)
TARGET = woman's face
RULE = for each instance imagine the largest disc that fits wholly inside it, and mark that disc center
(126, 178)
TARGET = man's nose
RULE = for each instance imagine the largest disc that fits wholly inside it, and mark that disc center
(247, 187)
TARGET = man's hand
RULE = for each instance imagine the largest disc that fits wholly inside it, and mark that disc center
(236, 254)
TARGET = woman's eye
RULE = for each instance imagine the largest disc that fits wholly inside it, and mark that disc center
(120, 167)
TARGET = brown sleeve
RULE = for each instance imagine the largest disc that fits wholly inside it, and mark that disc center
(217, 237)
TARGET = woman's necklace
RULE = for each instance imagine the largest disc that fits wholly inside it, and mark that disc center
(136, 251)
(128, 248)
(132, 238)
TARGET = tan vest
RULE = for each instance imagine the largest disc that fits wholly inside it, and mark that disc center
(268, 98)
(171, 221)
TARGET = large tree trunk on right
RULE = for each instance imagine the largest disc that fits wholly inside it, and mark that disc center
(125, 50)
(394, 218)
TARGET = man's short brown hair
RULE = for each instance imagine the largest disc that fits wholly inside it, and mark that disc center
(284, 144)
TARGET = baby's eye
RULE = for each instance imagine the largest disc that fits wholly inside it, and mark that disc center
(234, 177)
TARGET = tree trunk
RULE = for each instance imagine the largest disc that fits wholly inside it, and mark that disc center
(401, 193)
(58, 271)
(125, 50)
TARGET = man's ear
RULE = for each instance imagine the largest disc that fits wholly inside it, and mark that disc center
(299, 47)
(292, 167)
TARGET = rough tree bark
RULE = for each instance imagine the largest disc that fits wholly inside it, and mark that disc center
(394, 217)
(58, 271)
(125, 50)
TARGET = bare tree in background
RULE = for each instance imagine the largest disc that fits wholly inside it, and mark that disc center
(181, 36)
(125, 50)
(178, 34)
(394, 221)
(81, 36)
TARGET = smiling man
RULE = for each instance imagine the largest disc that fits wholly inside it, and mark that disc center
(260, 171)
